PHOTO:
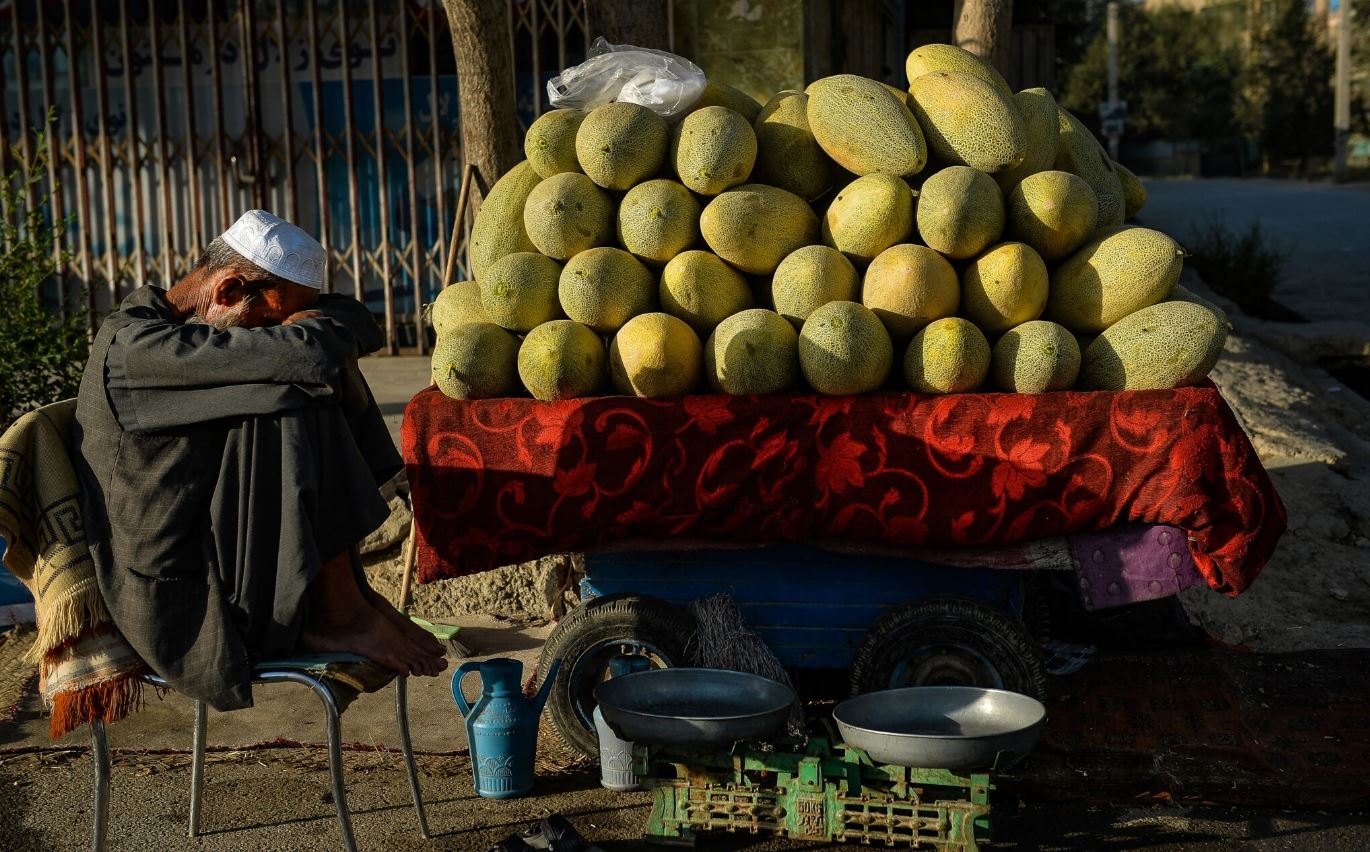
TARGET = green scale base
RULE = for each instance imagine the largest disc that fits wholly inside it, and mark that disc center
(822, 792)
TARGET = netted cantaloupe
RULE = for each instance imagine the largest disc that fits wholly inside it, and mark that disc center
(787, 154)
(1134, 193)
(457, 304)
(844, 349)
(968, 122)
(562, 359)
(1004, 287)
(498, 229)
(713, 149)
(948, 355)
(1169, 345)
(751, 352)
(621, 144)
(721, 94)
(1035, 357)
(1181, 293)
(960, 212)
(657, 220)
(550, 144)
(605, 287)
(1052, 211)
(909, 286)
(928, 58)
(1112, 276)
(865, 128)
(477, 360)
(701, 289)
(754, 226)
(1041, 125)
(1079, 153)
(812, 276)
(520, 291)
(567, 214)
(656, 355)
(869, 215)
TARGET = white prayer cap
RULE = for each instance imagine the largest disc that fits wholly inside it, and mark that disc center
(278, 247)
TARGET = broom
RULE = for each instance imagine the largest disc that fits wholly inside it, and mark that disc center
(446, 634)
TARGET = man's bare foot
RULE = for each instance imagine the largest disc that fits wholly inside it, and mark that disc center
(415, 633)
(370, 634)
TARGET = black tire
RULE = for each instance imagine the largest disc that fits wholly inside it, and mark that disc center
(949, 641)
(585, 640)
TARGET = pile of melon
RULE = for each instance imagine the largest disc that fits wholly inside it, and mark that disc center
(849, 238)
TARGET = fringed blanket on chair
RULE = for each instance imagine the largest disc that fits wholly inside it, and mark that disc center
(86, 669)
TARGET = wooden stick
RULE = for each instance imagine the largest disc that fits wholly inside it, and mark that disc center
(463, 194)
(411, 548)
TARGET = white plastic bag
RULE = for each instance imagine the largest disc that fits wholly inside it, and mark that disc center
(663, 82)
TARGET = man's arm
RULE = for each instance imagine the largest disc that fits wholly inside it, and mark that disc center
(161, 374)
(355, 317)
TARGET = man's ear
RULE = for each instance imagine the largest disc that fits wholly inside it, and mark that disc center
(228, 291)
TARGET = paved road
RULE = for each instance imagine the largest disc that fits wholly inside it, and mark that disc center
(1325, 227)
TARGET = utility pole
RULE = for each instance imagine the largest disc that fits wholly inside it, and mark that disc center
(1112, 128)
(1342, 117)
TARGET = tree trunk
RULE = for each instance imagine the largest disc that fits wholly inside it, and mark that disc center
(638, 22)
(485, 80)
(983, 27)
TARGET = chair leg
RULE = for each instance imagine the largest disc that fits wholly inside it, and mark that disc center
(335, 764)
(402, 717)
(99, 756)
(197, 768)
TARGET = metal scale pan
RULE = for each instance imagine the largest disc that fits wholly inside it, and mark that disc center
(694, 709)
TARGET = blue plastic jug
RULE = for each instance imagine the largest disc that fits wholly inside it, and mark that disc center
(502, 726)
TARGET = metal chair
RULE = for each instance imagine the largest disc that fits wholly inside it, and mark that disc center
(306, 673)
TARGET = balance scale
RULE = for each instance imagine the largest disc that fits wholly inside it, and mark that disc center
(699, 753)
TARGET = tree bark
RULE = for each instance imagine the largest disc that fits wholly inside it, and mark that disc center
(482, 42)
(643, 23)
(983, 27)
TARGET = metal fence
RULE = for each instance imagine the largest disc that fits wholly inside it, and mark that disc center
(171, 118)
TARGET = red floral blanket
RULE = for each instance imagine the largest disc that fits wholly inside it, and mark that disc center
(507, 480)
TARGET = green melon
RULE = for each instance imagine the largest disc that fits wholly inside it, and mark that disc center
(868, 216)
(1079, 153)
(948, 355)
(520, 291)
(498, 229)
(1004, 287)
(1052, 211)
(701, 289)
(752, 352)
(621, 144)
(563, 359)
(865, 128)
(723, 95)
(928, 58)
(1168, 345)
(1041, 124)
(457, 304)
(960, 212)
(567, 214)
(654, 356)
(754, 226)
(657, 220)
(788, 155)
(909, 286)
(969, 122)
(550, 143)
(1035, 357)
(713, 149)
(810, 277)
(1112, 276)
(477, 360)
(844, 349)
(1134, 193)
(605, 287)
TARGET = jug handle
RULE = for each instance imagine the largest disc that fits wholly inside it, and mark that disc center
(462, 671)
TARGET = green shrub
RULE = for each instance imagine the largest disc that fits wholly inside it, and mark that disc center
(41, 354)
(1243, 266)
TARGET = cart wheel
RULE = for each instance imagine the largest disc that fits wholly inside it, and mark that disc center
(588, 637)
(948, 641)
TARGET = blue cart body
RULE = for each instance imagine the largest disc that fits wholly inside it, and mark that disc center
(811, 606)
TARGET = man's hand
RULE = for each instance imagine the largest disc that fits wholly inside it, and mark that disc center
(302, 315)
